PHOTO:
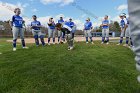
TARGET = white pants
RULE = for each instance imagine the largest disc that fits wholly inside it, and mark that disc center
(59, 33)
(105, 32)
(51, 33)
(18, 31)
(88, 33)
(36, 32)
(122, 32)
(127, 33)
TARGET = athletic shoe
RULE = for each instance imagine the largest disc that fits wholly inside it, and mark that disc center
(118, 44)
(102, 42)
(14, 49)
(125, 45)
(64, 42)
(25, 47)
(92, 43)
(71, 48)
(86, 42)
(107, 43)
(49, 44)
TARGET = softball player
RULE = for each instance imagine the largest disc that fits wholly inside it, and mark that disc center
(105, 30)
(67, 30)
(60, 34)
(127, 33)
(72, 25)
(51, 31)
(87, 30)
(17, 28)
(123, 28)
(35, 26)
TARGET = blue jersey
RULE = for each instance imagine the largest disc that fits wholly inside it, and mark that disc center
(34, 24)
(122, 23)
(88, 25)
(71, 24)
(105, 24)
(17, 21)
(67, 23)
(52, 25)
(61, 21)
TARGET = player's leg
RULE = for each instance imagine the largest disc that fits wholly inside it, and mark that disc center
(41, 38)
(90, 36)
(73, 35)
(71, 42)
(107, 36)
(86, 35)
(21, 32)
(131, 43)
(121, 36)
(59, 36)
(68, 41)
(127, 37)
(53, 35)
(15, 31)
(103, 36)
(134, 13)
(35, 35)
(63, 37)
(49, 35)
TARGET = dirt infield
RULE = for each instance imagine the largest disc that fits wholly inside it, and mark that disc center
(78, 39)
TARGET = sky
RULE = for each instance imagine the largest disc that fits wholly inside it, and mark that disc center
(78, 10)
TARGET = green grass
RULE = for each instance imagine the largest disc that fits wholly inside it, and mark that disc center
(52, 69)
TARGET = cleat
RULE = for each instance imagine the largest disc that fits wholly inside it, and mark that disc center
(25, 47)
(125, 45)
(49, 44)
(107, 43)
(71, 48)
(102, 42)
(14, 49)
(92, 43)
(86, 42)
(118, 44)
